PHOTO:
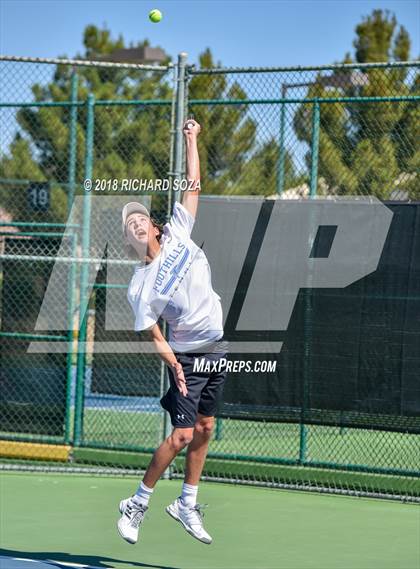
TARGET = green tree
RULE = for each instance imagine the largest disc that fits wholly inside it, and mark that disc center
(368, 148)
(21, 166)
(129, 142)
(233, 158)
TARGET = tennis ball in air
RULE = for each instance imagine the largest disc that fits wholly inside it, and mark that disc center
(155, 16)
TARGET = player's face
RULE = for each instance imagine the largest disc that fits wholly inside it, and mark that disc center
(139, 229)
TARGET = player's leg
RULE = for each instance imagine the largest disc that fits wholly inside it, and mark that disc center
(196, 456)
(164, 455)
(203, 429)
(185, 508)
(183, 412)
(133, 509)
(197, 449)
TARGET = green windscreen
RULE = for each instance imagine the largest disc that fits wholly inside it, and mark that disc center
(351, 356)
(32, 385)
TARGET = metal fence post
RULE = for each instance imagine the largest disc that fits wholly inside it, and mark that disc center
(314, 149)
(72, 274)
(282, 149)
(178, 117)
(84, 277)
(72, 140)
(303, 438)
(303, 429)
(70, 336)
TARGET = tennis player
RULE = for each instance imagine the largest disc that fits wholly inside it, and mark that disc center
(174, 283)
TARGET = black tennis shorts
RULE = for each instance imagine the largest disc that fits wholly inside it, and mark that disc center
(204, 387)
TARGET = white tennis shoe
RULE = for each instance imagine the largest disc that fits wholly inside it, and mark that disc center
(190, 518)
(131, 518)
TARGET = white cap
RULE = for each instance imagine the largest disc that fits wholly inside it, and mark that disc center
(133, 207)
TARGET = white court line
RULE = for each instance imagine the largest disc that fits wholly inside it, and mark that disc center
(67, 564)
(59, 563)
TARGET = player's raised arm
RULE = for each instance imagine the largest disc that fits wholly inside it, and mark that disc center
(190, 196)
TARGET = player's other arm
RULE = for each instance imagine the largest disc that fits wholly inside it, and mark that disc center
(166, 353)
(190, 196)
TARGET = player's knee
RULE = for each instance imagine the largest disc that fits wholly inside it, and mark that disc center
(205, 426)
(180, 439)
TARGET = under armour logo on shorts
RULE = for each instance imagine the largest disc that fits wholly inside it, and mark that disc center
(182, 416)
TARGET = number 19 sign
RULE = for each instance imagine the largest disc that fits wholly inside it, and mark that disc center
(39, 196)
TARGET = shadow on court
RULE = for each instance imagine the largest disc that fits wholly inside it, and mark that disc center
(10, 559)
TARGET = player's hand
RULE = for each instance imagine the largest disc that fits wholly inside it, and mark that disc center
(191, 128)
(180, 379)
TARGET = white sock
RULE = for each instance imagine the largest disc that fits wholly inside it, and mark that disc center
(142, 496)
(189, 495)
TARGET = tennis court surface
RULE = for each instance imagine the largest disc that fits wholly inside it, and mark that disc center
(70, 521)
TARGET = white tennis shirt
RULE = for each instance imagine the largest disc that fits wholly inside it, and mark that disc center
(192, 308)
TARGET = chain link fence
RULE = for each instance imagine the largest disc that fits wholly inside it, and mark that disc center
(274, 133)
(336, 131)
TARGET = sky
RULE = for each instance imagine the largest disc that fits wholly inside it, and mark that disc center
(240, 33)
